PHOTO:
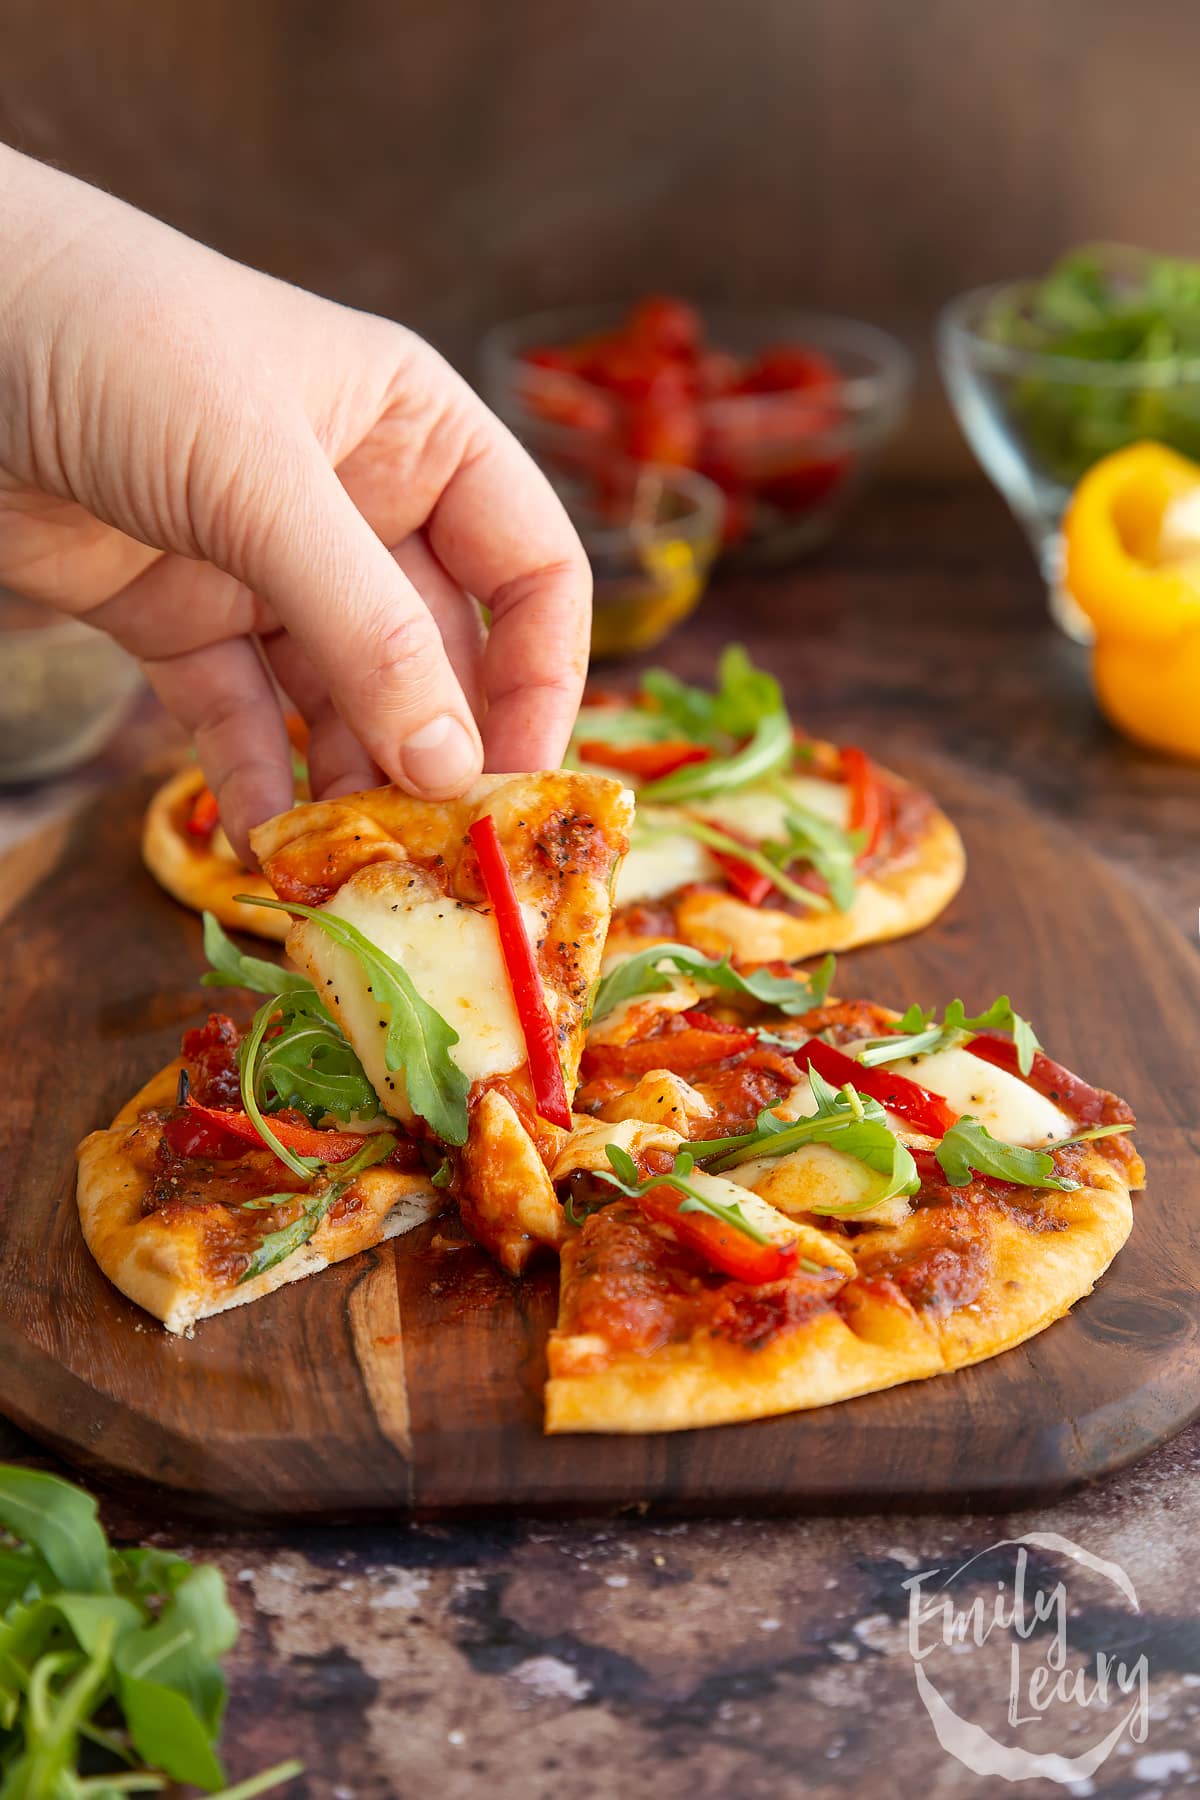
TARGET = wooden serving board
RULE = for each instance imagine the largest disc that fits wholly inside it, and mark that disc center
(408, 1381)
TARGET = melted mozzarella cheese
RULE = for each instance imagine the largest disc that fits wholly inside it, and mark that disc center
(754, 1209)
(810, 1178)
(452, 956)
(759, 813)
(658, 865)
(1008, 1106)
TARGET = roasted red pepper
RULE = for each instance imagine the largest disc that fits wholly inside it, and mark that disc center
(541, 1040)
(221, 1135)
(723, 1246)
(691, 1046)
(866, 797)
(203, 819)
(649, 761)
(924, 1110)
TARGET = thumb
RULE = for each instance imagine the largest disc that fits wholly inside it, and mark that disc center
(308, 551)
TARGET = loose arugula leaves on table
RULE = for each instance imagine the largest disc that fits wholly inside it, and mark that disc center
(132, 1638)
(643, 973)
(845, 1120)
(918, 1035)
(626, 1180)
(418, 1040)
(969, 1147)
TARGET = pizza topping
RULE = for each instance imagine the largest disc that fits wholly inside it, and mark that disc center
(190, 1127)
(204, 817)
(732, 1230)
(647, 761)
(917, 1105)
(646, 973)
(414, 1036)
(866, 798)
(210, 1052)
(918, 1034)
(750, 884)
(541, 1039)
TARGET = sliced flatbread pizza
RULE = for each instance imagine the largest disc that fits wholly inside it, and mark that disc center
(773, 1210)
(431, 1042)
(753, 838)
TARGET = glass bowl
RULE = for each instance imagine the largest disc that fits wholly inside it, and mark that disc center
(1037, 421)
(789, 462)
(63, 689)
(651, 536)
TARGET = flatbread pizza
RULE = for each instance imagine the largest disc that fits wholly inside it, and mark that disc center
(754, 838)
(777, 1209)
(448, 951)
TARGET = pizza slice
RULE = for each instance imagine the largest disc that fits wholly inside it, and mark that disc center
(779, 1200)
(753, 838)
(428, 1047)
(187, 852)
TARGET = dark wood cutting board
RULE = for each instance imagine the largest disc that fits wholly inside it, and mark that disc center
(408, 1380)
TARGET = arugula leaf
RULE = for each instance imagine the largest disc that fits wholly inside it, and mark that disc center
(716, 839)
(627, 1181)
(340, 1177)
(310, 1065)
(744, 697)
(133, 1638)
(819, 841)
(969, 1146)
(643, 974)
(845, 1120)
(419, 1040)
(770, 748)
(919, 1036)
(232, 968)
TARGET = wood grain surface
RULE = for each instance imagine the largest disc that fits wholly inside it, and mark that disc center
(409, 1380)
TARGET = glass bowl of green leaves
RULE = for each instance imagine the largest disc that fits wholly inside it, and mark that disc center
(1048, 376)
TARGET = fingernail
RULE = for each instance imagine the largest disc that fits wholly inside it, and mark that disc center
(442, 758)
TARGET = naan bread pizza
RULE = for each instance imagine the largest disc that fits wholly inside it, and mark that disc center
(779, 1200)
(448, 952)
(753, 838)
(187, 852)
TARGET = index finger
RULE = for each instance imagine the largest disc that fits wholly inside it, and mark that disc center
(504, 535)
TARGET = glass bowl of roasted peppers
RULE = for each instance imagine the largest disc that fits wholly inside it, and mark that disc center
(784, 412)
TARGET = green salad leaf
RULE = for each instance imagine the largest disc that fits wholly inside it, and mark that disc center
(744, 697)
(818, 841)
(969, 1146)
(683, 824)
(110, 1660)
(646, 973)
(231, 967)
(917, 1033)
(418, 1040)
(845, 1120)
(626, 1180)
(770, 748)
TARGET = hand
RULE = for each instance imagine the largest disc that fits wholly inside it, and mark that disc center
(232, 476)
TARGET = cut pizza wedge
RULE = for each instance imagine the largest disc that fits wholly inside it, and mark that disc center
(428, 1049)
(753, 838)
(780, 1200)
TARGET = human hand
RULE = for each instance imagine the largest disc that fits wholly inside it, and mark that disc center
(233, 476)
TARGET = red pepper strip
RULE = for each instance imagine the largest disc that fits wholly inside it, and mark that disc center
(866, 797)
(926, 1111)
(239, 1127)
(681, 1051)
(650, 761)
(706, 1022)
(541, 1042)
(723, 1246)
(203, 818)
(1086, 1104)
(750, 885)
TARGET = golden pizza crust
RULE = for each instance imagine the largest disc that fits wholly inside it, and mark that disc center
(160, 1264)
(203, 873)
(868, 1342)
(888, 905)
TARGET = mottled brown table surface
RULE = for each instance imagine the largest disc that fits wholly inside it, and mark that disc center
(763, 1657)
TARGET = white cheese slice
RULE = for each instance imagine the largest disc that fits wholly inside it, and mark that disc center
(451, 953)
(760, 814)
(658, 865)
(1008, 1106)
(810, 1178)
(754, 1209)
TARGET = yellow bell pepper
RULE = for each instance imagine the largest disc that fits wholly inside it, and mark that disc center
(1133, 564)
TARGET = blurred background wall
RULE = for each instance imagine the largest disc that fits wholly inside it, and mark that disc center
(450, 162)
